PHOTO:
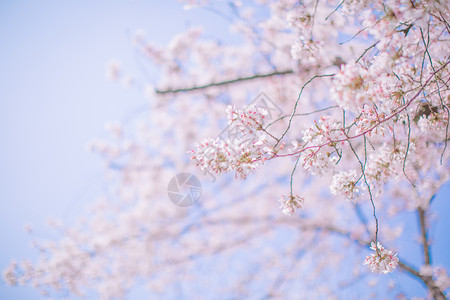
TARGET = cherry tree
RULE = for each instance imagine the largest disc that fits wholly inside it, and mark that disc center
(314, 134)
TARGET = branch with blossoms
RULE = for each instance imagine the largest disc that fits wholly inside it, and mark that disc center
(375, 122)
(323, 145)
(377, 108)
(252, 148)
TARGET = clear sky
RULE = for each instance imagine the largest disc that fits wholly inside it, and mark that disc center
(54, 98)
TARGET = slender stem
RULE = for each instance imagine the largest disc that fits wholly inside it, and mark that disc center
(367, 49)
(370, 193)
(302, 114)
(296, 103)
(335, 10)
(292, 175)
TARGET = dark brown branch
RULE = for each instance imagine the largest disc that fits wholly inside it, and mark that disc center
(428, 280)
(409, 269)
(423, 233)
(225, 82)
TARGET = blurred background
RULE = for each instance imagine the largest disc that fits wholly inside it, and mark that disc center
(54, 98)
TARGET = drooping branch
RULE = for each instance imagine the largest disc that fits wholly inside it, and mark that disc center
(435, 291)
(225, 82)
(427, 280)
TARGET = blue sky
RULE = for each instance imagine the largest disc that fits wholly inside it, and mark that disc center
(54, 98)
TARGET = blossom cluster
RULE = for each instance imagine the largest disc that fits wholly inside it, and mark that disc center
(374, 89)
(323, 140)
(307, 51)
(386, 163)
(431, 119)
(369, 120)
(9, 274)
(382, 261)
(242, 153)
(222, 156)
(249, 121)
(289, 204)
(345, 184)
(350, 85)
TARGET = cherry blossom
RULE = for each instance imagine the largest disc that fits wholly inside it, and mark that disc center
(345, 184)
(382, 261)
(290, 203)
(364, 90)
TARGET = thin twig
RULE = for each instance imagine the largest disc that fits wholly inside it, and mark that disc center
(292, 174)
(335, 10)
(367, 49)
(302, 114)
(427, 44)
(407, 150)
(296, 103)
(370, 193)
(313, 18)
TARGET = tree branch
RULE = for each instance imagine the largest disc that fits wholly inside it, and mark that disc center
(396, 112)
(423, 231)
(225, 82)
(428, 280)
(437, 293)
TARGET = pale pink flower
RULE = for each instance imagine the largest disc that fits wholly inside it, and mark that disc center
(290, 203)
(344, 184)
(382, 261)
